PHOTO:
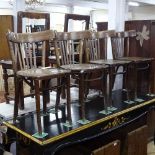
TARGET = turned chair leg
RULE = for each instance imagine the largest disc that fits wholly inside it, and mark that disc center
(58, 93)
(18, 82)
(37, 95)
(68, 99)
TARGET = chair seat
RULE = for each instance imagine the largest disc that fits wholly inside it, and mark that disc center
(83, 67)
(137, 59)
(111, 62)
(42, 73)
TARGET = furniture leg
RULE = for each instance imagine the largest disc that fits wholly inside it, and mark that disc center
(21, 97)
(81, 100)
(68, 100)
(40, 133)
(151, 76)
(37, 95)
(5, 78)
(106, 93)
(110, 86)
(81, 96)
(126, 83)
(17, 94)
(46, 95)
(58, 94)
(135, 81)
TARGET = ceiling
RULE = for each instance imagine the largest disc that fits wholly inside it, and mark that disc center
(98, 4)
(93, 4)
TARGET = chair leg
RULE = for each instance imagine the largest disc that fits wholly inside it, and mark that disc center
(126, 84)
(86, 86)
(5, 78)
(46, 95)
(21, 97)
(37, 95)
(110, 86)
(81, 96)
(63, 93)
(104, 91)
(108, 108)
(81, 100)
(68, 100)
(151, 73)
(17, 95)
(135, 81)
(59, 83)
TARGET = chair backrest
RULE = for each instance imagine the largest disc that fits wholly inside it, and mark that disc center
(121, 43)
(96, 45)
(23, 48)
(69, 46)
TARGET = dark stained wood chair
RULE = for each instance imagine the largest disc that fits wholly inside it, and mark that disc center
(7, 64)
(96, 51)
(112, 148)
(74, 17)
(122, 41)
(65, 49)
(27, 65)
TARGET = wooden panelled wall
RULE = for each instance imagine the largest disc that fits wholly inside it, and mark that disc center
(6, 22)
(148, 47)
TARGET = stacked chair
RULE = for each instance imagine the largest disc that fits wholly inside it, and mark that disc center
(86, 44)
(96, 45)
(64, 49)
(26, 65)
(123, 52)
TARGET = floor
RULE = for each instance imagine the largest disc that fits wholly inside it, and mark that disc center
(151, 148)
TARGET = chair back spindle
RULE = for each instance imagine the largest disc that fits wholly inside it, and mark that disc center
(121, 43)
(29, 65)
(69, 47)
(23, 48)
(97, 45)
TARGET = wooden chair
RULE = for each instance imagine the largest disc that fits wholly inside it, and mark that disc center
(96, 51)
(112, 148)
(7, 63)
(122, 41)
(74, 17)
(64, 49)
(26, 65)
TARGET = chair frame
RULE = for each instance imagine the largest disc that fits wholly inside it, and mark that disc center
(94, 43)
(127, 36)
(82, 71)
(27, 67)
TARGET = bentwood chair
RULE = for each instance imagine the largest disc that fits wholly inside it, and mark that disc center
(96, 45)
(65, 49)
(122, 41)
(27, 65)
